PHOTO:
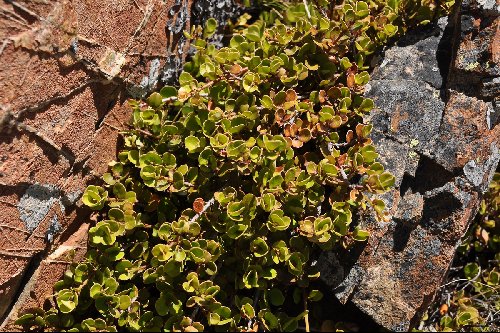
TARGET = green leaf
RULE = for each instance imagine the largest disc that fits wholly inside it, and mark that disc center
(267, 102)
(360, 235)
(94, 197)
(155, 100)
(25, 319)
(162, 252)
(185, 79)
(387, 180)
(278, 221)
(315, 295)
(259, 247)
(236, 148)
(471, 270)
(467, 316)
(367, 105)
(67, 300)
(276, 297)
(162, 305)
(236, 231)
(247, 311)
(268, 202)
(210, 27)
(168, 91)
(192, 143)
(275, 182)
(169, 160)
(251, 279)
(295, 263)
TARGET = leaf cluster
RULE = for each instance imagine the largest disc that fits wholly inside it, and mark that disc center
(229, 186)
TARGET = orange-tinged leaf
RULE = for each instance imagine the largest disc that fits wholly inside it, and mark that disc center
(334, 93)
(353, 194)
(350, 80)
(287, 131)
(235, 69)
(349, 136)
(304, 135)
(443, 309)
(485, 236)
(359, 130)
(279, 115)
(341, 159)
(297, 143)
(198, 205)
(322, 96)
(291, 95)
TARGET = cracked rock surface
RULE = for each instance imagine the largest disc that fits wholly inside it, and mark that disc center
(67, 68)
(436, 129)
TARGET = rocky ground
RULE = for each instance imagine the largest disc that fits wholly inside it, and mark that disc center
(67, 68)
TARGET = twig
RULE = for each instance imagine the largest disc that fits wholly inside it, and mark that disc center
(17, 255)
(3, 225)
(343, 174)
(145, 133)
(113, 126)
(169, 99)
(308, 13)
(138, 7)
(306, 316)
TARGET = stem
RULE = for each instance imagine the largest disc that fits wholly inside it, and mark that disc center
(306, 317)
(307, 9)
(145, 133)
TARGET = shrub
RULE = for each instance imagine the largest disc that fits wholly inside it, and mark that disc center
(229, 186)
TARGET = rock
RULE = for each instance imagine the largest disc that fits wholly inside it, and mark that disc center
(436, 128)
(66, 70)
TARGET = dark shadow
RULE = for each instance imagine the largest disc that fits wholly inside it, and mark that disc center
(439, 207)
(401, 235)
(105, 97)
(82, 215)
(444, 55)
(30, 17)
(429, 175)
(418, 34)
(330, 308)
(31, 268)
(469, 82)
(10, 132)
(349, 259)
(18, 190)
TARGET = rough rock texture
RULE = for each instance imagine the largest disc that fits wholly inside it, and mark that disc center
(66, 70)
(67, 67)
(437, 93)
